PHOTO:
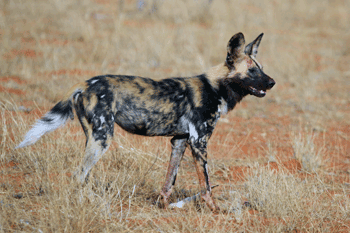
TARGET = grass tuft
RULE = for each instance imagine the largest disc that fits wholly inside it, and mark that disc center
(307, 153)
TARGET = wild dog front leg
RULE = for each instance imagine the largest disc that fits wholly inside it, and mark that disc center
(178, 149)
(199, 152)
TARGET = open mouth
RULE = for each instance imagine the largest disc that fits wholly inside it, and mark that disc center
(257, 93)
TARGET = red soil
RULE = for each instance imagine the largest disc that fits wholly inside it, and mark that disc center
(11, 91)
(54, 41)
(79, 72)
(15, 79)
(28, 53)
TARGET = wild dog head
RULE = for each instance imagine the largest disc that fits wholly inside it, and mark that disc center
(245, 70)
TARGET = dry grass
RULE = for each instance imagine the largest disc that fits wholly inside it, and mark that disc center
(295, 204)
(48, 46)
(305, 150)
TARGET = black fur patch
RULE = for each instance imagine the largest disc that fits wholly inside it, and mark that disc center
(63, 109)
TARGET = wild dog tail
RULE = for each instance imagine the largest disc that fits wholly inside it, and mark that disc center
(55, 118)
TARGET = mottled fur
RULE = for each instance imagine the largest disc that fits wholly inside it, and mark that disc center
(185, 108)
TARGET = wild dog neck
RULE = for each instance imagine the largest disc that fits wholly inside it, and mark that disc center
(228, 84)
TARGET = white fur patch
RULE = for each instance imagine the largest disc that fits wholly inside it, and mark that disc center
(102, 119)
(223, 107)
(76, 97)
(181, 203)
(42, 127)
(193, 131)
(191, 128)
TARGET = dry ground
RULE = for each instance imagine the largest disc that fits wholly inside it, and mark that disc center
(281, 162)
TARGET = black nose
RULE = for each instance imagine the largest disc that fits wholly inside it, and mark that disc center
(271, 83)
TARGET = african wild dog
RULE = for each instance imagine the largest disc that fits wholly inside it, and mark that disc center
(185, 108)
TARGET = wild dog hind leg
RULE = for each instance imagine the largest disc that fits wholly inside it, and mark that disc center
(98, 128)
(93, 152)
(178, 149)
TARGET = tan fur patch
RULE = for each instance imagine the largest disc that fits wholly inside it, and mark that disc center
(242, 67)
(81, 86)
(85, 124)
(114, 105)
(167, 107)
(113, 82)
(92, 103)
(196, 86)
(217, 72)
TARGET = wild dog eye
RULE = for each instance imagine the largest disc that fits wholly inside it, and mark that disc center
(253, 71)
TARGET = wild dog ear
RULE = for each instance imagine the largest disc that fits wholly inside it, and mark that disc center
(235, 48)
(252, 48)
